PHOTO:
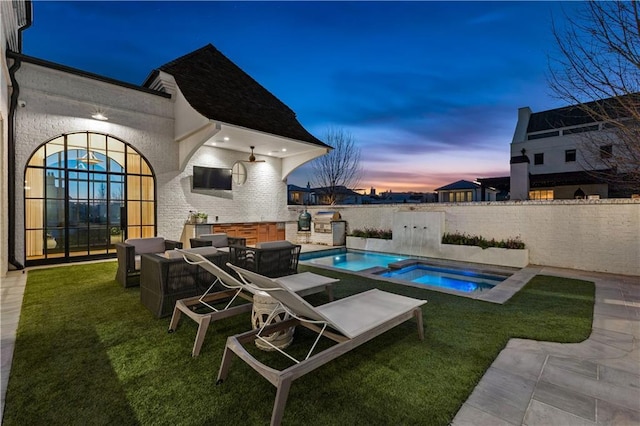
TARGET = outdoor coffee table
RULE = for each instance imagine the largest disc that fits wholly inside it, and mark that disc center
(265, 306)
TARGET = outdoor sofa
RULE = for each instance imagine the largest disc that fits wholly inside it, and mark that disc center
(166, 278)
(129, 256)
(272, 259)
(218, 240)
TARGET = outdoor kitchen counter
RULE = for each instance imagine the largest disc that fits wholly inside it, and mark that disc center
(253, 232)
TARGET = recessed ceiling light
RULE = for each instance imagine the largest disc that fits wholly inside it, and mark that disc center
(99, 116)
(226, 138)
(284, 149)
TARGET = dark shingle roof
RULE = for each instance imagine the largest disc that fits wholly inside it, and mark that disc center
(461, 184)
(218, 89)
(576, 115)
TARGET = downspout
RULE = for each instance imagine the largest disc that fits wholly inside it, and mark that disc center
(11, 144)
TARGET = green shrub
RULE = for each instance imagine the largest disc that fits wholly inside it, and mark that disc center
(384, 234)
(474, 240)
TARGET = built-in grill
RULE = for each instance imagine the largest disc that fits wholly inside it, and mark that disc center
(329, 228)
(322, 221)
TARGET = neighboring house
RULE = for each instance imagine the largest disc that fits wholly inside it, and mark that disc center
(464, 191)
(314, 196)
(500, 185)
(126, 155)
(300, 196)
(320, 195)
(553, 156)
(389, 197)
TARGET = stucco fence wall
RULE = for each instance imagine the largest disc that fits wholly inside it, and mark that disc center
(591, 235)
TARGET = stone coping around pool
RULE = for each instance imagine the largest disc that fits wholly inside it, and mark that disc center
(475, 267)
(507, 288)
(500, 293)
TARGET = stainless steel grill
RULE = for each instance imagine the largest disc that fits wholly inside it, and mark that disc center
(322, 221)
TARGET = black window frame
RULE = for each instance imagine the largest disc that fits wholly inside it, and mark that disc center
(538, 159)
(606, 151)
(569, 155)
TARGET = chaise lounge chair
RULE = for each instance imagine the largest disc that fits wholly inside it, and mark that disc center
(232, 290)
(350, 322)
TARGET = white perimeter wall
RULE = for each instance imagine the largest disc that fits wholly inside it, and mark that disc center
(592, 235)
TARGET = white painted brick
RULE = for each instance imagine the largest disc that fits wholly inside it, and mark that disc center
(593, 235)
(59, 103)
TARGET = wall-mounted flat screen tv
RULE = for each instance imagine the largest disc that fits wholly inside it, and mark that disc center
(211, 178)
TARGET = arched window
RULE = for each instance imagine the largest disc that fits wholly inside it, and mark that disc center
(83, 193)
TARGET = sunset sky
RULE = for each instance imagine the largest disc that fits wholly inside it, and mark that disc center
(429, 90)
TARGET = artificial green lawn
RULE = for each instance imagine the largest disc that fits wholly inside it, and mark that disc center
(88, 353)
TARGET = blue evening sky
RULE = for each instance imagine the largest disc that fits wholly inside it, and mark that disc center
(429, 90)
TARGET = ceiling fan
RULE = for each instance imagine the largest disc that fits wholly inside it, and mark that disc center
(252, 158)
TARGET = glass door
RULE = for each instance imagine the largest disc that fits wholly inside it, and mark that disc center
(80, 189)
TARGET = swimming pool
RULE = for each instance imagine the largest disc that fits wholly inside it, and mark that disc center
(416, 271)
(351, 261)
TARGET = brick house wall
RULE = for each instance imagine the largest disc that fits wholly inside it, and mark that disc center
(59, 102)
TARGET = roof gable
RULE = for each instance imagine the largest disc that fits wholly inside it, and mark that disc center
(219, 90)
(459, 185)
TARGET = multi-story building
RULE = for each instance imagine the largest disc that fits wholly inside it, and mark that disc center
(560, 154)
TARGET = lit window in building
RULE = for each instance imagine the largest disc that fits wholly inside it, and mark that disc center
(541, 194)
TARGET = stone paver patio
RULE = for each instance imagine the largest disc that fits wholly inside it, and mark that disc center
(530, 383)
(590, 383)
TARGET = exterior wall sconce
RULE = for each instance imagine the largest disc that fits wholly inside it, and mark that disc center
(99, 116)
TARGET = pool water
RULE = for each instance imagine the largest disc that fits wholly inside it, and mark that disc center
(354, 261)
(452, 279)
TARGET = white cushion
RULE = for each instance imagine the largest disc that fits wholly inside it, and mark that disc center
(147, 245)
(274, 244)
(173, 254)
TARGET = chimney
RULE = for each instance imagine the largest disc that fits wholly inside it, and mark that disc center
(519, 182)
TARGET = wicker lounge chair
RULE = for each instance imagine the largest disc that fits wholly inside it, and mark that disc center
(350, 322)
(129, 259)
(233, 288)
(272, 259)
(218, 240)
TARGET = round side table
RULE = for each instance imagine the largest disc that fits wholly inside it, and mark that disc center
(263, 306)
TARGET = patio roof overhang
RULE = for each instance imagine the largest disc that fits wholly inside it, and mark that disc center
(193, 130)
